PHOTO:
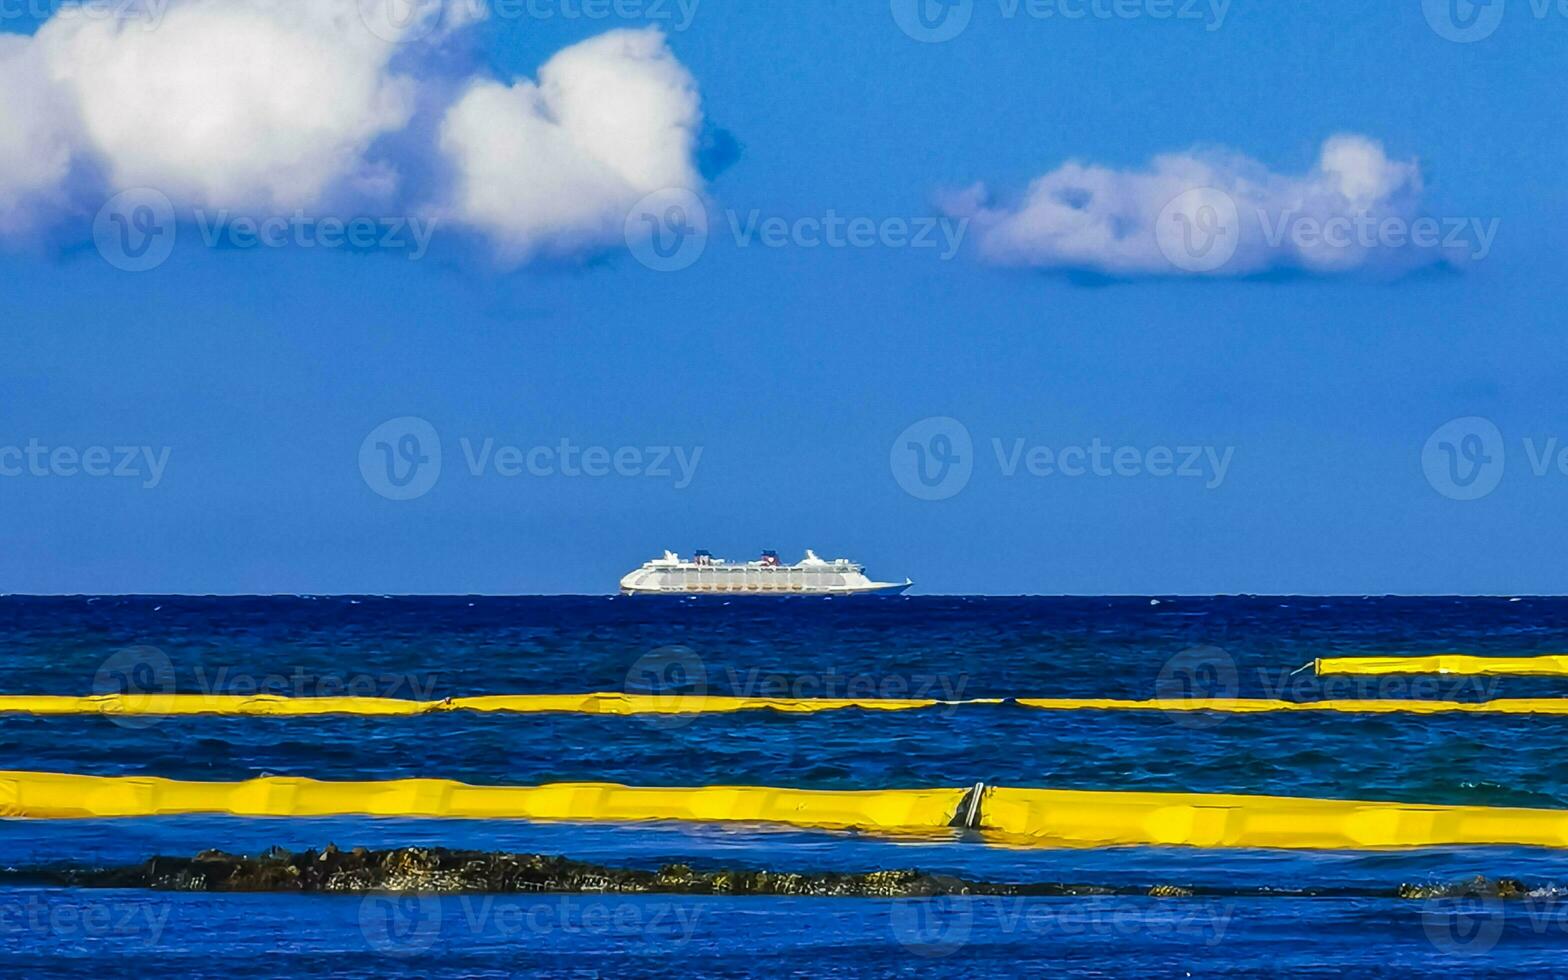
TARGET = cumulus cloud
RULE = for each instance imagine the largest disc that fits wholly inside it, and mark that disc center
(275, 106)
(557, 164)
(36, 136)
(1216, 213)
(260, 104)
(249, 104)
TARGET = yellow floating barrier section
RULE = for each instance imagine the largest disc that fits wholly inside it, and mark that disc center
(1500, 706)
(1547, 665)
(1015, 817)
(608, 703)
(615, 704)
(1068, 818)
(54, 796)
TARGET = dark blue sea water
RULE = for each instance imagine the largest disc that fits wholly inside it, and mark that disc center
(914, 646)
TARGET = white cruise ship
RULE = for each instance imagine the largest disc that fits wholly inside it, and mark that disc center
(704, 574)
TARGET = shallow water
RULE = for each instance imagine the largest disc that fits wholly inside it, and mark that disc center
(917, 646)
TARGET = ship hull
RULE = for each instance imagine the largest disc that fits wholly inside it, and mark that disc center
(874, 588)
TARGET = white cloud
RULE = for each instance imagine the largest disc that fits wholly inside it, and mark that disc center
(260, 104)
(555, 166)
(272, 106)
(36, 137)
(244, 104)
(1214, 213)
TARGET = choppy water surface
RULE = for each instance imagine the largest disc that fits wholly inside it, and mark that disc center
(905, 647)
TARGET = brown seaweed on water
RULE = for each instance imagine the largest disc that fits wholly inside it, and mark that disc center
(441, 870)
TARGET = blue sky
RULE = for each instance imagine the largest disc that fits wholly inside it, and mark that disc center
(789, 377)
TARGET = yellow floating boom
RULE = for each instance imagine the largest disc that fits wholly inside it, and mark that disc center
(57, 796)
(1068, 818)
(274, 706)
(1548, 665)
(1500, 706)
(1028, 817)
(271, 705)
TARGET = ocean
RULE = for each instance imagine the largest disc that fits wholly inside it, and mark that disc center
(941, 647)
